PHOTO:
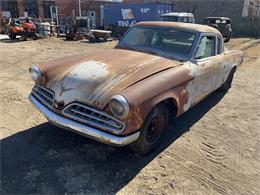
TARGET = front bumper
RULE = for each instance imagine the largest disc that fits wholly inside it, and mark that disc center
(90, 132)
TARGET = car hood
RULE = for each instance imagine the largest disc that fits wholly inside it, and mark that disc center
(92, 78)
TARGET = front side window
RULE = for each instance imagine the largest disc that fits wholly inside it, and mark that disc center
(223, 22)
(167, 40)
(206, 47)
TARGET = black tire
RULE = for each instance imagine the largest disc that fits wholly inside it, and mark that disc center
(227, 39)
(35, 37)
(152, 130)
(24, 37)
(69, 39)
(92, 40)
(12, 35)
(228, 83)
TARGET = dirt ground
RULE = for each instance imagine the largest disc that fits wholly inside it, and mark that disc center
(211, 149)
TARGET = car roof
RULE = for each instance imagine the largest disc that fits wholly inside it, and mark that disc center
(181, 26)
(178, 14)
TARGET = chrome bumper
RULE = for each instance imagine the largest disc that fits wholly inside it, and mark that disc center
(90, 132)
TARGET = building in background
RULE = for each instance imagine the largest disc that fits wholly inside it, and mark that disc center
(66, 8)
(120, 17)
(26, 8)
(245, 14)
(92, 8)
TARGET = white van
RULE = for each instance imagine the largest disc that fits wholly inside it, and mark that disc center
(178, 17)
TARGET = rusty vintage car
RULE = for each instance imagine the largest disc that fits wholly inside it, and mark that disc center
(127, 95)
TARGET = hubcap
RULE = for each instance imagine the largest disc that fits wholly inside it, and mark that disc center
(155, 129)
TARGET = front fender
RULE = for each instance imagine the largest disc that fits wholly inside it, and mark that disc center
(146, 94)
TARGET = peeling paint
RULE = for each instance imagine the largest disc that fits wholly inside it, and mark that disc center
(143, 79)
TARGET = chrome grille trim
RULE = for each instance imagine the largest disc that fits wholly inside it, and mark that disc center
(44, 95)
(93, 117)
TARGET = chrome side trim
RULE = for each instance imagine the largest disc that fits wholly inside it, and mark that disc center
(90, 132)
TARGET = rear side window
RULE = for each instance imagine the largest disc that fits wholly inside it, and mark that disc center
(206, 47)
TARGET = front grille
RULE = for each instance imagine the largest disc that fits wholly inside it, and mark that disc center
(44, 95)
(93, 117)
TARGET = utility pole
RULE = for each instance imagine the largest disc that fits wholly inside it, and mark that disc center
(56, 17)
(258, 7)
(79, 8)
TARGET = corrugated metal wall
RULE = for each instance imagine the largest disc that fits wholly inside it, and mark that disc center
(128, 13)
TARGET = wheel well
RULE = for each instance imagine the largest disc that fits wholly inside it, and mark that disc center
(171, 106)
(234, 68)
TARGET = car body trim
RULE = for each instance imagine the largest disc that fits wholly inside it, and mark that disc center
(82, 129)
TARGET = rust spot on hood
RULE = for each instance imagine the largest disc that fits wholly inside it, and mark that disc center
(92, 78)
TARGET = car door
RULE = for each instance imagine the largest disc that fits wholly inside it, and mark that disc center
(207, 64)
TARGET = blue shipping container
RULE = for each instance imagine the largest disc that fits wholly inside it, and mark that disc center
(122, 15)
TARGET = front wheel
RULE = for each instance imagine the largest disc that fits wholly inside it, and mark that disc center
(12, 35)
(152, 130)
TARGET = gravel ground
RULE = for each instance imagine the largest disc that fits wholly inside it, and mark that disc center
(211, 149)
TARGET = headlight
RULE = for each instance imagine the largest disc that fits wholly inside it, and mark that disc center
(119, 106)
(35, 73)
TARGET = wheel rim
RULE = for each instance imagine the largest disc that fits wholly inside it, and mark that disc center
(155, 129)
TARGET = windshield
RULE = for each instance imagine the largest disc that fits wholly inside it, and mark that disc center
(166, 40)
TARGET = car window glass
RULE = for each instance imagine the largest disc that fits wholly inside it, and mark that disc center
(137, 37)
(217, 21)
(185, 19)
(181, 19)
(158, 40)
(223, 22)
(170, 18)
(172, 41)
(206, 47)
